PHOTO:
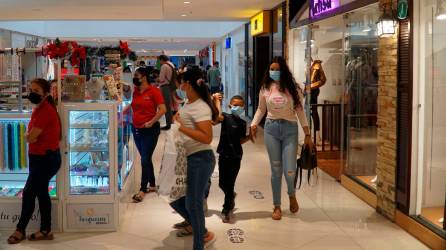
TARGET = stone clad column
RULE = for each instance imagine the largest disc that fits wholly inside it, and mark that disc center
(387, 122)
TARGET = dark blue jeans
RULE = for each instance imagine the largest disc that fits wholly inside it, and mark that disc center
(146, 140)
(42, 168)
(199, 169)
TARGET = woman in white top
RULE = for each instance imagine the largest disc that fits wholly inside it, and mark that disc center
(195, 122)
(282, 98)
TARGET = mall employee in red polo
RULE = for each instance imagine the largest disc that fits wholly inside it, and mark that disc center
(148, 107)
(43, 137)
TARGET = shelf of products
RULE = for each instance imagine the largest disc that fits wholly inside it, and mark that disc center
(89, 158)
(14, 158)
(12, 88)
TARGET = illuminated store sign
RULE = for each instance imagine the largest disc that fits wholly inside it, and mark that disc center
(319, 7)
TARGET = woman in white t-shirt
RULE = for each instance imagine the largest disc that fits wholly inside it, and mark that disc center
(195, 122)
(281, 97)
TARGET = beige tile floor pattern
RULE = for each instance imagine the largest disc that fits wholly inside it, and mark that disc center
(330, 217)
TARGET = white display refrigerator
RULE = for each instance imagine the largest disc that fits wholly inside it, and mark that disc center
(90, 166)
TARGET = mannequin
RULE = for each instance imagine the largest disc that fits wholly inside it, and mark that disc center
(318, 79)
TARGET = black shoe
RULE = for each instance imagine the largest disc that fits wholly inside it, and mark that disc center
(225, 214)
(165, 128)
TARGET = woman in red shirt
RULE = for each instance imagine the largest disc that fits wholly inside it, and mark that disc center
(43, 137)
(148, 107)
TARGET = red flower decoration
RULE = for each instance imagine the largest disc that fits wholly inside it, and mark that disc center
(124, 47)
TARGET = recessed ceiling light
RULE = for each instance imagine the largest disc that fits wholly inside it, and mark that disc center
(187, 2)
(183, 15)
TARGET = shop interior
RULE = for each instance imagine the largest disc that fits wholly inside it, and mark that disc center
(343, 48)
(431, 198)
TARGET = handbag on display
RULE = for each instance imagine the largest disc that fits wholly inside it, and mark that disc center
(173, 173)
(307, 161)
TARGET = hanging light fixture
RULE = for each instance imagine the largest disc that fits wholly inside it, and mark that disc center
(441, 10)
(386, 25)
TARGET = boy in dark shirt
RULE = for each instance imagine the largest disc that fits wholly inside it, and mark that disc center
(233, 135)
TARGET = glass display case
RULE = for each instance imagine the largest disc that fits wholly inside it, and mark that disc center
(89, 152)
(14, 158)
(125, 143)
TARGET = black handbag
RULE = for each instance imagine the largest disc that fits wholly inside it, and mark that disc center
(307, 161)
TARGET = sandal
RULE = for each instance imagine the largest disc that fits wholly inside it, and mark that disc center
(187, 231)
(16, 237)
(181, 225)
(151, 190)
(137, 198)
(277, 214)
(294, 206)
(41, 235)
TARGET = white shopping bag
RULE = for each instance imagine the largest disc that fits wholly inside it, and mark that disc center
(173, 173)
(162, 121)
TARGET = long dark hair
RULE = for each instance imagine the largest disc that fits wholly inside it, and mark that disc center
(46, 87)
(145, 71)
(194, 78)
(287, 82)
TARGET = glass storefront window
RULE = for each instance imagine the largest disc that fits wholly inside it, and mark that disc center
(278, 34)
(250, 80)
(361, 95)
(344, 51)
(431, 194)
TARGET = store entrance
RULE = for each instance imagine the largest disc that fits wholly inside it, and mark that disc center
(338, 56)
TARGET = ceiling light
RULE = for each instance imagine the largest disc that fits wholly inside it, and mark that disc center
(187, 2)
(183, 15)
(441, 10)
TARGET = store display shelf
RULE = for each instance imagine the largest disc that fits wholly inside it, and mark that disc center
(89, 126)
(9, 82)
(85, 174)
(88, 149)
(18, 191)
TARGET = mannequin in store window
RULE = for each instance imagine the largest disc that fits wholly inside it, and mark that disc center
(318, 80)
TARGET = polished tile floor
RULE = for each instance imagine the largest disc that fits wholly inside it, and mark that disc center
(330, 217)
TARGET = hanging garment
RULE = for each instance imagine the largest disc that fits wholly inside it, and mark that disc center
(16, 145)
(2, 165)
(5, 148)
(22, 146)
(10, 147)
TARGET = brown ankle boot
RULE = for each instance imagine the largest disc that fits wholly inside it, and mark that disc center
(277, 213)
(294, 206)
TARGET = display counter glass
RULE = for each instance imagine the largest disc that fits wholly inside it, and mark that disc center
(89, 155)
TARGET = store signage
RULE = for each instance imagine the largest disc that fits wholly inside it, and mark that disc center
(10, 216)
(228, 43)
(319, 7)
(90, 215)
(260, 23)
(403, 9)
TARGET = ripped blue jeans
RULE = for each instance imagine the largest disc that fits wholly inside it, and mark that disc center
(281, 144)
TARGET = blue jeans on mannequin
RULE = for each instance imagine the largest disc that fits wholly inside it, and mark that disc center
(281, 144)
(199, 169)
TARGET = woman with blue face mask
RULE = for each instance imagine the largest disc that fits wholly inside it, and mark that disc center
(282, 99)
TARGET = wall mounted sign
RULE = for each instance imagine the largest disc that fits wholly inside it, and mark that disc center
(403, 9)
(261, 23)
(319, 7)
(228, 43)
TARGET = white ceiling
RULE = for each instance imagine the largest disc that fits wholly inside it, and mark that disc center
(132, 9)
